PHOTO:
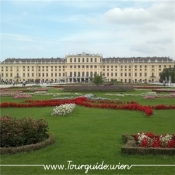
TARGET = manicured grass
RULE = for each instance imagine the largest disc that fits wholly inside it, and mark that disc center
(88, 136)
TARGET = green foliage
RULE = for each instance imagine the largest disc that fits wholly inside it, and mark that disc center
(17, 132)
(97, 79)
(166, 73)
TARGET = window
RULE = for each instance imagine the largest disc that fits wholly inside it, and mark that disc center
(95, 59)
(78, 66)
(78, 59)
(51, 75)
(111, 74)
(125, 74)
(74, 74)
(83, 60)
(107, 74)
(145, 66)
(121, 74)
(115, 74)
(145, 74)
(71, 60)
(152, 65)
(74, 60)
(78, 74)
(95, 66)
(70, 74)
(135, 66)
(115, 66)
(87, 60)
(82, 66)
(87, 66)
(135, 74)
(129, 74)
(91, 60)
(74, 66)
(82, 74)
(140, 74)
(43, 74)
(70, 66)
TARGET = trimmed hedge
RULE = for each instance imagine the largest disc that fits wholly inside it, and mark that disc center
(13, 150)
(131, 147)
(98, 88)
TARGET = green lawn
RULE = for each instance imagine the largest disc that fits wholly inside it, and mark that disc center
(91, 136)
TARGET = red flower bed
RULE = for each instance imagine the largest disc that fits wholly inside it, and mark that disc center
(163, 90)
(156, 141)
(147, 87)
(83, 101)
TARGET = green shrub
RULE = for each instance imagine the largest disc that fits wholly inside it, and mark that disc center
(17, 132)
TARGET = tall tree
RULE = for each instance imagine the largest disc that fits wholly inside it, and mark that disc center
(97, 79)
(166, 73)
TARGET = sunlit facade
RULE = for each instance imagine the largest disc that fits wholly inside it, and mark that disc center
(80, 67)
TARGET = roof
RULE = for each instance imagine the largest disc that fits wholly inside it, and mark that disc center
(137, 59)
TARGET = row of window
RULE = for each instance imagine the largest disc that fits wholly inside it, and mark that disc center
(160, 66)
(32, 74)
(83, 60)
(125, 74)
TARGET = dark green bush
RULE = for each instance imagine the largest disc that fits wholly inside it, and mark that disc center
(17, 132)
(105, 88)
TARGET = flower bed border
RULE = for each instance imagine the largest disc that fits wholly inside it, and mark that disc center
(13, 150)
(131, 147)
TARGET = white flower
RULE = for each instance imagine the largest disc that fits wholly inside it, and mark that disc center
(63, 109)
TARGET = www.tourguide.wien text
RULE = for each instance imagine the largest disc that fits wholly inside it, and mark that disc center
(87, 167)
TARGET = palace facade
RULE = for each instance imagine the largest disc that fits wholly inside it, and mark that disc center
(80, 67)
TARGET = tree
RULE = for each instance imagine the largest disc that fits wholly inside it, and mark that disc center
(97, 79)
(166, 73)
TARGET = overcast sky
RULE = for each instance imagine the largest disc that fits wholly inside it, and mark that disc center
(54, 28)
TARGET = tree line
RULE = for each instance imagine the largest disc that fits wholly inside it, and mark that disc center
(166, 74)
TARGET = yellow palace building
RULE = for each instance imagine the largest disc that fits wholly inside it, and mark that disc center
(80, 67)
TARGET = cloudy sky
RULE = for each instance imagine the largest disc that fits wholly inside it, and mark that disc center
(54, 28)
